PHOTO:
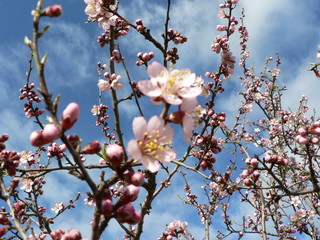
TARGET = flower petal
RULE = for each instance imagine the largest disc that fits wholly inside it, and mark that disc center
(139, 126)
(172, 99)
(189, 92)
(155, 123)
(155, 69)
(150, 164)
(149, 89)
(188, 127)
(167, 156)
(168, 133)
(134, 149)
(188, 104)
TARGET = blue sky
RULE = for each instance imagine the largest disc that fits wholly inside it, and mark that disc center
(288, 26)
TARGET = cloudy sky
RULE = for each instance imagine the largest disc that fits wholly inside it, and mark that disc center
(290, 27)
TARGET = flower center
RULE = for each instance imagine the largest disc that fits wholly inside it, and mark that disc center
(151, 145)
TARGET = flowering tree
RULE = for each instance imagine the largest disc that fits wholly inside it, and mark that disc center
(274, 167)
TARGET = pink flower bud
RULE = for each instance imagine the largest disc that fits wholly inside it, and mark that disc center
(139, 22)
(3, 231)
(107, 194)
(203, 165)
(315, 140)
(115, 155)
(244, 173)
(4, 137)
(107, 207)
(125, 213)
(136, 218)
(254, 162)
(57, 234)
(256, 174)
(92, 148)
(37, 139)
(302, 131)
(316, 131)
(51, 132)
(137, 178)
(70, 115)
(247, 182)
(74, 235)
(4, 220)
(53, 11)
(15, 182)
(303, 140)
(130, 194)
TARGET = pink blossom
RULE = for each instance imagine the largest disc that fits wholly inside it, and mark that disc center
(96, 11)
(222, 14)
(116, 84)
(151, 146)
(173, 86)
(58, 207)
(104, 85)
(107, 21)
(93, 8)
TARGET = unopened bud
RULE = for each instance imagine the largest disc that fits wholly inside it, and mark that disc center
(92, 148)
(130, 194)
(176, 117)
(51, 132)
(53, 11)
(107, 207)
(37, 139)
(137, 179)
(70, 115)
(125, 213)
(115, 155)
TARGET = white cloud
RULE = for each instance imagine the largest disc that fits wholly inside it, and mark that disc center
(71, 52)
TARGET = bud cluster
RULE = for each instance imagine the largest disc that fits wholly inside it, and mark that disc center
(123, 211)
(100, 111)
(4, 221)
(208, 146)
(103, 39)
(32, 96)
(144, 58)
(176, 37)
(59, 234)
(51, 131)
(251, 175)
(3, 138)
(9, 161)
(121, 28)
(309, 134)
(116, 56)
(172, 55)
(217, 119)
(276, 159)
(140, 27)
(55, 150)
